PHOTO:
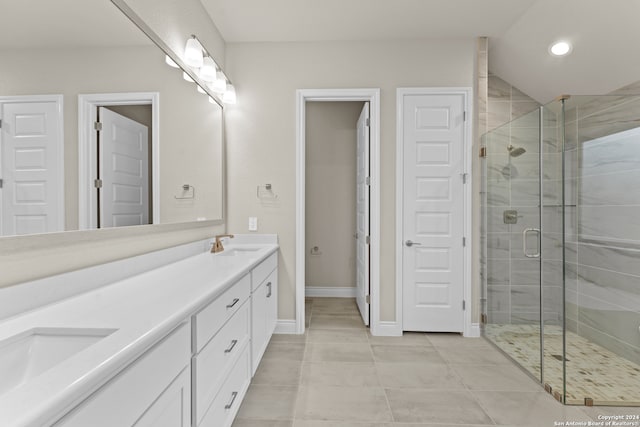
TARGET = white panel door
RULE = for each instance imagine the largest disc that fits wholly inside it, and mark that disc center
(31, 149)
(362, 214)
(124, 170)
(433, 218)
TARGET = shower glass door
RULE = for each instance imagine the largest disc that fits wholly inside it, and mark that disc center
(552, 241)
(514, 244)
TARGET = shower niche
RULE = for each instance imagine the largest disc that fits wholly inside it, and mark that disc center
(561, 245)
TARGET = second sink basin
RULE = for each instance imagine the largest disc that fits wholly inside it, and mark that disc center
(26, 355)
(239, 251)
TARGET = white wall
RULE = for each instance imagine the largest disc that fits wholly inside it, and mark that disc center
(331, 136)
(261, 128)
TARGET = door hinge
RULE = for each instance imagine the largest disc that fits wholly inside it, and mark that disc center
(368, 240)
(483, 152)
(367, 180)
(0, 123)
(367, 122)
(464, 177)
(1, 182)
(464, 305)
(483, 318)
(97, 126)
(97, 183)
(464, 241)
(464, 116)
(367, 299)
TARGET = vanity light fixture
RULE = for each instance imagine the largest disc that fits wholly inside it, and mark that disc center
(560, 48)
(219, 85)
(229, 96)
(208, 70)
(193, 55)
(170, 62)
(187, 77)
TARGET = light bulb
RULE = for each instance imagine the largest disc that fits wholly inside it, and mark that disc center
(187, 77)
(560, 48)
(229, 96)
(208, 70)
(170, 62)
(193, 53)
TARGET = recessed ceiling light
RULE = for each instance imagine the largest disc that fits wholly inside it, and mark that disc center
(560, 48)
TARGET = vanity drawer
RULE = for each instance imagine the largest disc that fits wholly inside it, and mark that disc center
(213, 363)
(262, 270)
(226, 404)
(211, 318)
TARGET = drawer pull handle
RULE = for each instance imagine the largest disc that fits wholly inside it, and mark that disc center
(233, 344)
(233, 399)
(269, 286)
(235, 301)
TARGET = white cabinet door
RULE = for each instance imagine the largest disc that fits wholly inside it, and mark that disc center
(172, 409)
(264, 314)
(258, 325)
(272, 304)
(130, 394)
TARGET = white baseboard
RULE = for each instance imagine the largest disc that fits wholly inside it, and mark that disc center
(386, 329)
(285, 327)
(474, 331)
(328, 291)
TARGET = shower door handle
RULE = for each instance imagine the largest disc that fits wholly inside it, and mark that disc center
(524, 242)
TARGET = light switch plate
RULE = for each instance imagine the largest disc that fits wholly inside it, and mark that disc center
(253, 223)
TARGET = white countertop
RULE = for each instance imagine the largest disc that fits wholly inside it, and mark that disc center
(143, 309)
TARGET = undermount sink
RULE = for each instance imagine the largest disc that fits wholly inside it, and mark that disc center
(26, 355)
(239, 252)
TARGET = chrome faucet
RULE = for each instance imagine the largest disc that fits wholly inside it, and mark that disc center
(217, 246)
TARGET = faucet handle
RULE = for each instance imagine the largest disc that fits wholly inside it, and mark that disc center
(217, 246)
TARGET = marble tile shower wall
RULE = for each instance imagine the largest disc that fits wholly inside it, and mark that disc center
(603, 280)
(513, 289)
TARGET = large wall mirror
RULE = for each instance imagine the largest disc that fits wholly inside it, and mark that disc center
(97, 131)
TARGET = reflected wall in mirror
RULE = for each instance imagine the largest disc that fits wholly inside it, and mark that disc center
(53, 54)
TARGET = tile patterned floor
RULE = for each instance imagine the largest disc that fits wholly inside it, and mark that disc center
(592, 371)
(338, 375)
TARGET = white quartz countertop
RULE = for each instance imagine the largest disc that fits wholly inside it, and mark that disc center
(142, 309)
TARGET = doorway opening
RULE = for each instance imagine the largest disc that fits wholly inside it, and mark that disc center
(118, 159)
(315, 248)
(337, 211)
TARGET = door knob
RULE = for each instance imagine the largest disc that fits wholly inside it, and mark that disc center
(410, 243)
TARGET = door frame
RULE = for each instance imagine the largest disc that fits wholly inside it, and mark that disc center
(87, 143)
(331, 95)
(59, 100)
(470, 329)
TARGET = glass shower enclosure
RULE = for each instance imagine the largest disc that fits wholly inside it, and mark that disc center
(560, 258)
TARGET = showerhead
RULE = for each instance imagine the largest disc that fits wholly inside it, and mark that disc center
(515, 151)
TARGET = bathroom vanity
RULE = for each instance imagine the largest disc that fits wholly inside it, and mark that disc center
(173, 346)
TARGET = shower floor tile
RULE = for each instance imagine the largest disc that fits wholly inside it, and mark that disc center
(593, 372)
